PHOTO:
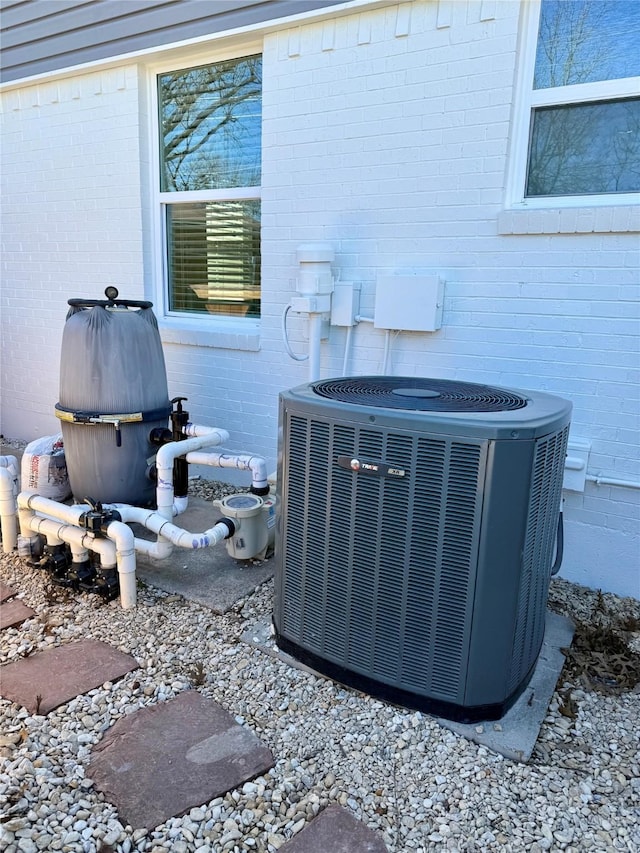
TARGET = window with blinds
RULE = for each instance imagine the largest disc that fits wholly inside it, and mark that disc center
(210, 156)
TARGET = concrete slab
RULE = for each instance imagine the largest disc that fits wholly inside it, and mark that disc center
(6, 592)
(337, 831)
(208, 576)
(14, 613)
(515, 734)
(164, 760)
(45, 680)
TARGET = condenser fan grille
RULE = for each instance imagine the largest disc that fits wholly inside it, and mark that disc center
(419, 394)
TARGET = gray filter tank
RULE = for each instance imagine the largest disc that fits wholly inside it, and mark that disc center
(113, 392)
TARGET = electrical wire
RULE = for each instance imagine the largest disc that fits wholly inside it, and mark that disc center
(285, 338)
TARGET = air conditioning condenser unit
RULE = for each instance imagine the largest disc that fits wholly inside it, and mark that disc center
(415, 536)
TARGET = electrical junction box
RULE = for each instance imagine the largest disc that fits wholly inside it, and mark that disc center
(411, 303)
(345, 303)
(575, 465)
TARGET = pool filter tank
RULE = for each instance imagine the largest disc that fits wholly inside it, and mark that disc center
(113, 393)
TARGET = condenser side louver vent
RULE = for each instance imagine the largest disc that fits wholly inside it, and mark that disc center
(394, 573)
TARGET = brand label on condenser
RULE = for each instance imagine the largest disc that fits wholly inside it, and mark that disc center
(367, 466)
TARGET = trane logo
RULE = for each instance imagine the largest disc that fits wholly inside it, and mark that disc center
(370, 467)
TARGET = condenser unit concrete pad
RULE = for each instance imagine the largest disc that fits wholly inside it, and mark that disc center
(45, 680)
(208, 576)
(337, 831)
(166, 759)
(14, 613)
(515, 734)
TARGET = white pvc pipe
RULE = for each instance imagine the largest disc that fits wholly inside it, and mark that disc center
(12, 465)
(180, 505)
(8, 514)
(240, 461)
(202, 437)
(51, 528)
(60, 523)
(315, 338)
(217, 436)
(79, 553)
(29, 499)
(124, 541)
(116, 550)
(168, 534)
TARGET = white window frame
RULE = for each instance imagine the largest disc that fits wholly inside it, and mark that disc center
(527, 99)
(176, 326)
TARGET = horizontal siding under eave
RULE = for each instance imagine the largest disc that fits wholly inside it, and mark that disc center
(38, 37)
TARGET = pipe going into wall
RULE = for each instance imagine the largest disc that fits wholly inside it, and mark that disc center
(612, 481)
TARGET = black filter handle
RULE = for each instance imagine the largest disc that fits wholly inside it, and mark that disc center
(112, 299)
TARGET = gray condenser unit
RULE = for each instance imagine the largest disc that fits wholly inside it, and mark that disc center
(416, 534)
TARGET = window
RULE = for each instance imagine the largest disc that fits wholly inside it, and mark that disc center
(210, 156)
(583, 116)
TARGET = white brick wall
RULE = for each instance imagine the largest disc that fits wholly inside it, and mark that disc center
(71, 225)
(386, 134)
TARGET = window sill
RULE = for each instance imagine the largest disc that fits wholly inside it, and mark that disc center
(196, 333)
(570, 220)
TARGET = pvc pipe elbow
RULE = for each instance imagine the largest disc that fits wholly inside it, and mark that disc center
(29, 499)
(180, 505)
(217, 436)
(8, 511)
(11, 464)
(123, 538)
(242, 461)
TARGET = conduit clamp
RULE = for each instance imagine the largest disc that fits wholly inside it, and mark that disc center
(70, 416)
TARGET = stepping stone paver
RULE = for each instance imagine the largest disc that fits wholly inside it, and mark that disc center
(13, 613)
(335, 830)
(47, 679)
(163, 760)
(6, 592)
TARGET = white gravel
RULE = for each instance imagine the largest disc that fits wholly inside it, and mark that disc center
(423, 787)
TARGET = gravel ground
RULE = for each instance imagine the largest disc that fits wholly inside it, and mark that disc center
(423, 787)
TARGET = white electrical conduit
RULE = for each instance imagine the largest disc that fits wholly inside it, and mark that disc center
(611, 481)
(240, 461)
(315, 341)
(387, 349)
(347, 350)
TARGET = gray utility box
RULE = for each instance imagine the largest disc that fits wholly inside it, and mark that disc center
(415, 536)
